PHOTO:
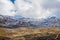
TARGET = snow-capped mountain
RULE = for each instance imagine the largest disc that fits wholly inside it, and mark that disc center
(11, 22)
(50, 22)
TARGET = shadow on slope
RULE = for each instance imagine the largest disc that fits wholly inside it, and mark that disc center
(36, 37)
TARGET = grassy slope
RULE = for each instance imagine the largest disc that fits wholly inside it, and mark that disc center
(30, 33)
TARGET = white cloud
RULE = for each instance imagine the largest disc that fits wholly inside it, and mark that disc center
(53, 5)
(6, 8)
(30, 8)
(37, 8)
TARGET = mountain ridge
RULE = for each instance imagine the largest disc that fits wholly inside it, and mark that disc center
(11, 22)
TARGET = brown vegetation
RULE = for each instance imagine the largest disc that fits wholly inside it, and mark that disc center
(25, 33)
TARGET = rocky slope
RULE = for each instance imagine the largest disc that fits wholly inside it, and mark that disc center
(11, 22)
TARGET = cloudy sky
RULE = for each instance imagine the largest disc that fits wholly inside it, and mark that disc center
(30, 8)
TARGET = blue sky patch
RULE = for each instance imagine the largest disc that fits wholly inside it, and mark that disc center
(12, 1)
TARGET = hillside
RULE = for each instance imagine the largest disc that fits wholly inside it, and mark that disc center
(29, 29)
(24, 33)
(12, 22)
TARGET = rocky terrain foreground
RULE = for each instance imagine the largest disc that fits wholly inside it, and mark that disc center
(26, 33)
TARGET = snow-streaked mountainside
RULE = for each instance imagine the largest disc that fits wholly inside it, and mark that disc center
(11, 22)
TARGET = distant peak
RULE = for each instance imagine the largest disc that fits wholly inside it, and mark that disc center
(53, 17)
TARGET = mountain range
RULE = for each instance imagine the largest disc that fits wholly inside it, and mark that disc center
(12, 22)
